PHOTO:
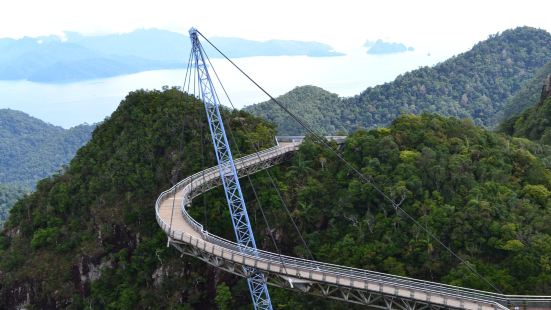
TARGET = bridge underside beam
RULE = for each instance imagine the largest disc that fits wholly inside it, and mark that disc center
(328, 281)
(378, 300)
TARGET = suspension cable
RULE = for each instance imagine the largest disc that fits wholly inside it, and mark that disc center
(180, 149)
(203, 173)
(187, 81)
(188, 70)
(309, 252)
(188, 73)
(270, 233)
(363, 177)
(172, 211)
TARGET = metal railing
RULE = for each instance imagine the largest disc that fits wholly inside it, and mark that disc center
(309, 267)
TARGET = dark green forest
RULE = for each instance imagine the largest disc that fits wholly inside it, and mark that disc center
(9, 194)
(527, 96)
(484, 194)
(476, 84)
(534, 123)
(96, 219)
(30, 150)
(314, 105)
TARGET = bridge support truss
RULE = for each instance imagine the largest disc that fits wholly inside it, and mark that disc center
(228, 174)
(373, 299)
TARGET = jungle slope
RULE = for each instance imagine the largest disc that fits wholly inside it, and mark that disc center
(483, 194)
(528, 95)
(30, 150)
(476, 84)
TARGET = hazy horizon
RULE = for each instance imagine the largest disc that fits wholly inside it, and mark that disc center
(436, 29)
(343, 25)
(90, 101)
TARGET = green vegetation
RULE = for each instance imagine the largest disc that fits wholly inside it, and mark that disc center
(31, 149)
(95, 220)
(87, 237)
(475, 84)
(9, 194)
(223, 297)
(528, 95)
(483, 194)
(314, 104)
(534, 123)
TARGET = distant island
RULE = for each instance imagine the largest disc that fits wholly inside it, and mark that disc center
(381, 47)
(78, 57)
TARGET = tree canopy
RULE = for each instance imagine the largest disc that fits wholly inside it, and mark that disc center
(483, 194)
(527, 96)
(476, 84)
(31, 149)
(533, 123)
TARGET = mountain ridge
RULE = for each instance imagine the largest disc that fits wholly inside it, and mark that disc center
(534, 123)
(483, 193)
(475, 84)
(527, 96)
(31, 149)
(93, 233)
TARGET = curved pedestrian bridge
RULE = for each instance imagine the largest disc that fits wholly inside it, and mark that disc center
(375, 289)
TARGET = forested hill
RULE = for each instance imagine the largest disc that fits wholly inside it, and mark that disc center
(476, 84)
(485, 195)
(534, 123)
(314, 104)
(96, 220)
(528, 95)
(9, 194)
(31, 149)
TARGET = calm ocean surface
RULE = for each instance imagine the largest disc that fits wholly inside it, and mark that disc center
(70, 104)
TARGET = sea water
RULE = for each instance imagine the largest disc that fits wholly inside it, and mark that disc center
(90, 101)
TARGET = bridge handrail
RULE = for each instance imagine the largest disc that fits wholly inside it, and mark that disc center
(314, 266)
(193, 240)
(196, 225)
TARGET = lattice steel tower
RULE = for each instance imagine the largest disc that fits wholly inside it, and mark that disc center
(230, 180)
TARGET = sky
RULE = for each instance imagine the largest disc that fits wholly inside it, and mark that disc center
(344, 24)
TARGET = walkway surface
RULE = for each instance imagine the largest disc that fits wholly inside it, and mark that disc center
(366, 287)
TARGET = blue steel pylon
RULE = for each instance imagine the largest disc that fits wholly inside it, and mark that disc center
(240, 219)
